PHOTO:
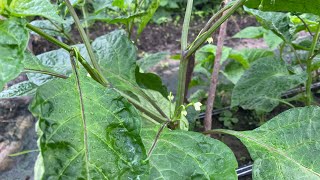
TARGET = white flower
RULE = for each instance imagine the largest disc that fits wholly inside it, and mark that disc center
(88, 75)
(184, 113)
(170, 97)
(197, 106)
(210, 40)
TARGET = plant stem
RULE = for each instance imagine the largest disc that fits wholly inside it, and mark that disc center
(27, 70)
(62, 31)
(68, 48)
(184, 60)
(202, 38)
(214, 77)
(84, 13)
(309, 65)
(83, 35)
(49, 38)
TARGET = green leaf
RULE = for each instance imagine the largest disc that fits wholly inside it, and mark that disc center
(34, 8)
(151, 81)
(278, 22)
(188, 155)
(86, 132)
(272, 40)
(206, 54)
(117, 55)
(12, 46)
(261, 86)
(243, 58)
(285, 5)
(25, 88)
(99, 5)
(250, 32)
(56, 62)
(151, 60)
(248, 56)
(286, 147)
(146, 18)
(55, 29)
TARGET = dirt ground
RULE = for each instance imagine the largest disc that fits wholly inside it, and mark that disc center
(17, 125)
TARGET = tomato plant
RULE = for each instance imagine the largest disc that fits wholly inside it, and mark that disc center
(100, 117)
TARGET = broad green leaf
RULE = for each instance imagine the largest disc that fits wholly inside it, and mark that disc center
(287, 146)
(86, 132)
(188, 155)
(55, 62)
(248, 56)
(146, 18)
(206, 55)
(278, 22)
(261, 86)
(55, 29)
(34, 8)
(250, 32)
(25, 88)
(12, 46)
(99, 5)
(151, 60)
(117, 55)
(243, 58)
(151, 81)
(310, 19)
(285, 5)
(272, 40)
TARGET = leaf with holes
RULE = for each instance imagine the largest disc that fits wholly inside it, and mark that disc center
(86, 132)
(286, 147)
(261, 86)
(188, 155)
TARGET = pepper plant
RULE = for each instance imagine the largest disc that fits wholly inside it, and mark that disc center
(99, 117)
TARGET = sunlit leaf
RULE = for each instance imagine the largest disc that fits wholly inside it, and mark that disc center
(12, 47)
(86, 132)
(34, 8)
(261, 86)
(188, 155)
(287, 146)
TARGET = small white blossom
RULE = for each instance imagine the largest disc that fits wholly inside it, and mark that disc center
(197, 106)
(210, 40)
(170, 97)
(88, 75)
(184, 113)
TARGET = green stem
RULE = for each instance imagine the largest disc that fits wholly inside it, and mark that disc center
(85, 16)
(184, 60)
(49, 38)
(203, 38)
(309, 65)
(68, 48)
(138, 105)
(83, 35)
(28, 70)
(62, 31)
